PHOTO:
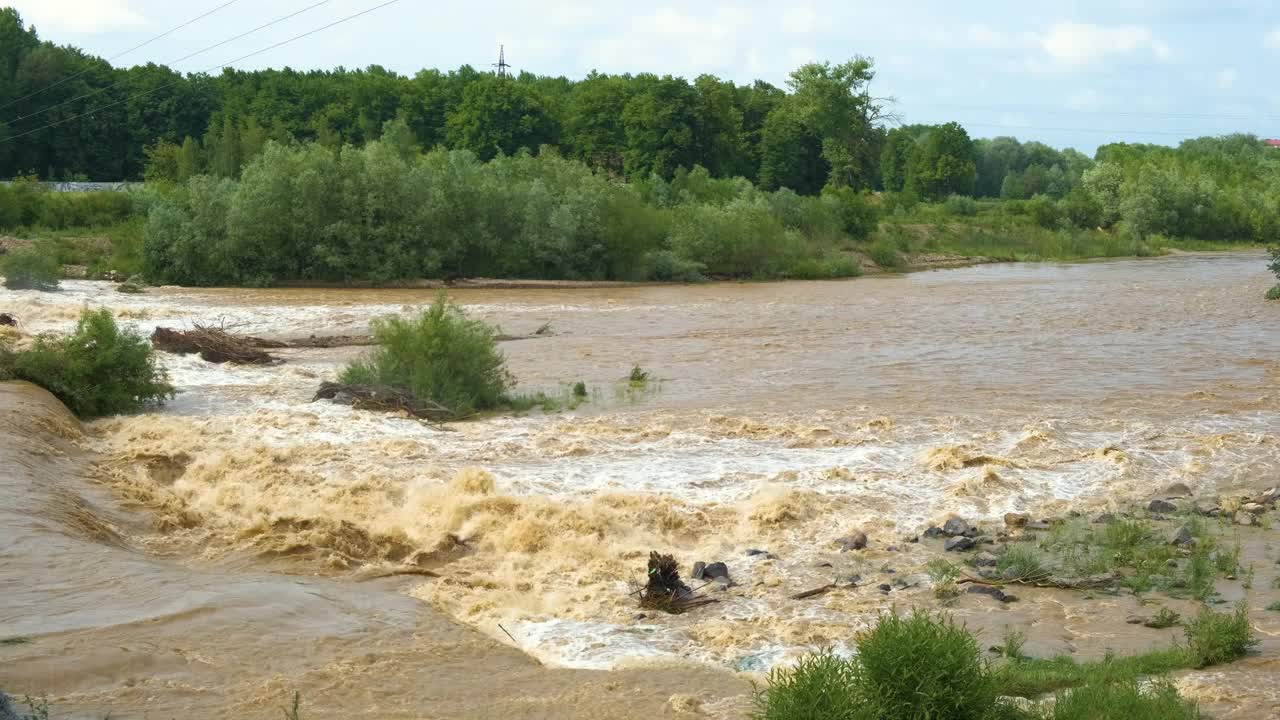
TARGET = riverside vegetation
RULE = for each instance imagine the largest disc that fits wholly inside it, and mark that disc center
(369, 176)
(99, 369)
(925, 665)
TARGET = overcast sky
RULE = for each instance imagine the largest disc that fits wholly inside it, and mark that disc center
(1070, 73)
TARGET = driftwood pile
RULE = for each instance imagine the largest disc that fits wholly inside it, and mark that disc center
(383, 398)
(212, 344)
(665, 590)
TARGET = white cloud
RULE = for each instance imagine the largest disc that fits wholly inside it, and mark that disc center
(1085, 100)
(80, 16)
(1272, 39)
(676, 40)
(1077, 44)
(799, 20)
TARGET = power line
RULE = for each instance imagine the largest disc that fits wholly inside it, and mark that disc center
(101, 90)
(1096, 131)
(208, 69)
(162, 35)
(1118, 113)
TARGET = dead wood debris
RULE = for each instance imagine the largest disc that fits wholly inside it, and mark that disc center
(383, 398)
(212, 344)
(665, 590)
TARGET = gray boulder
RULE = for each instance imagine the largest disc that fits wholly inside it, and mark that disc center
(854, 541)
(1160, 505)
(955, 527)
(958, 544)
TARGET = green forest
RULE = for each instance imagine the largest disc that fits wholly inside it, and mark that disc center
(280, 175)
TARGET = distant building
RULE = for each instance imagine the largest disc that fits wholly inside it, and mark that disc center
(1273, 143)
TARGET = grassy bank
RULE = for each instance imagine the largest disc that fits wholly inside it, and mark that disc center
(928, 666)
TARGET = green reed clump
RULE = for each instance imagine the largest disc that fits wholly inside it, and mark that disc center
(1126, 700)
(1214, 638)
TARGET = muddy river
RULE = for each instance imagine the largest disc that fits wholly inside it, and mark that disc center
(244, 542)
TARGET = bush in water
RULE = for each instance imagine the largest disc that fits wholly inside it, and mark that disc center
(30, 269)
(98, 370)
(441, 355)
(916, 666)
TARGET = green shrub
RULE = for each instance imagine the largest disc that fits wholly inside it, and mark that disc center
(915, 667)
(884, 253)
(822, 686)
(960, 206)
(1044, 211)
(1214, 638)
(98, 370)
(837, 266)
(1273, 293)
(665, 266)
(924, 666)
(858, 216)
(441, 355)
(1123, 701)
(30, 269)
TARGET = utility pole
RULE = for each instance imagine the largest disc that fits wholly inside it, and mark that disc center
(502, 61)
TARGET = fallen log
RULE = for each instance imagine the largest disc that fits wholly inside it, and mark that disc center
(314, 341)
(814, 592)
(212, 344)
(1091, 582)
(383, 398)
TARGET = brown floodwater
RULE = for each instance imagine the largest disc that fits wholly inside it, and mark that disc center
(230, 549)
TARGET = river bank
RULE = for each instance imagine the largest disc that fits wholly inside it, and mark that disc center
(787, 416)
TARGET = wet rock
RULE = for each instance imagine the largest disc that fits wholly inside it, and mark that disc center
(856, 541)
(986, 559)
(885, 587)
(1254, 508)
(1135, 620)
(900, 584)
(1177, 490)
(1040, 526)
(699, 571)
(958, 544)
(933, 532)
(1244, 518)
(1182, 537)
(823, 565)
(1268, 497)
(7, 710)
(956, 527)
(1161, 506)
(716, 571)
(1104, 519)
(1011, 573)
(639, 616)
(753, 552)
(891, 548)
(1016, 520)
(889, 571)
(993, 592)
(721, 584)
(1206, 508)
